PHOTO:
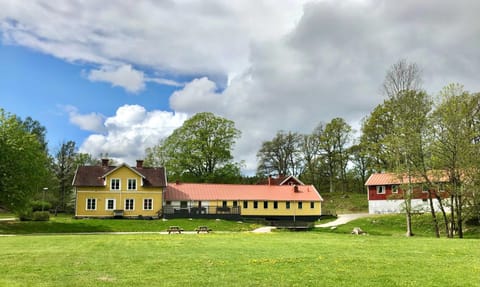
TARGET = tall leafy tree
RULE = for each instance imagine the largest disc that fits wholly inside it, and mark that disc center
(23, 163)
(281, 155)
(65, 166)
(456, 123)
(334, 138)
(199, 150)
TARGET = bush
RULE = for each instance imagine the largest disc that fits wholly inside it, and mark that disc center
(25, 215)
(41, 216)
(39, 205)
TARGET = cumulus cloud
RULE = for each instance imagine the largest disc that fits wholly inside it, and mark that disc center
(92, 122)
(130, 131)
(124, 76)
(290, 64)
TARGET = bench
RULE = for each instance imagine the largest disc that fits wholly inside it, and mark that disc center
(203, 229)
(175, 229)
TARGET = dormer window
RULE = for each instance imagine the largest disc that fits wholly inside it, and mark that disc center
(132, 184)
(115, 184)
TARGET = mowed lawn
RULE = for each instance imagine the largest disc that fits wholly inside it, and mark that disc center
(237, 259)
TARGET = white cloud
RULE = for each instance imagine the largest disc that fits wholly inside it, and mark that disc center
(92, 122)
(130, 131)
(289, 64)
(124, 76)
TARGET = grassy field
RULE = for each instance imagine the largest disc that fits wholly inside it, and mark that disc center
(349, 202)
(66, 224)
(237, 259)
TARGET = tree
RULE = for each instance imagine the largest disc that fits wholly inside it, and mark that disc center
(280, 155)
(401, 77)
(455, 149)
(23, 164)
(65, 166)
(406, 109)
(197, 150)
(333, 140)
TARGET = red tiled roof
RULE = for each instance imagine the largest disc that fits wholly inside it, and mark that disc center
(281, 180)
(392, 178)
(93, 175)
(194, 191)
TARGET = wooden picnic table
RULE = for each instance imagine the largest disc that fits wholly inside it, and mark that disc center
(175, 229)
(203, 229)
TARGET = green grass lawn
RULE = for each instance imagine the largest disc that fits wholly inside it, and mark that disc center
(66, 224)
(237, 259)
(394, 225)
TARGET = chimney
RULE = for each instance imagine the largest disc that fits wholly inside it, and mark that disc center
(177, 182)
(269, 179)
(139, 163)
(105, 162)
(295, 188)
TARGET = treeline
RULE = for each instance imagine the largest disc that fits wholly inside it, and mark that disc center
(30, 177)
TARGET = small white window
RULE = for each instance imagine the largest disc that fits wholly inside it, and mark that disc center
(147, 204)
(91, 203)
(129, 204)
(132, 184)
(394, 188)
(115, 184)
(380, 189)
(110, 204)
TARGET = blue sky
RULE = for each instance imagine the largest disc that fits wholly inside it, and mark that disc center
(116, 77)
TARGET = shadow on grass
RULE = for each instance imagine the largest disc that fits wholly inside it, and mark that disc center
(35, 227)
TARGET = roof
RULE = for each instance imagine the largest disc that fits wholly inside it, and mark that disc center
(281, 180)
(393, 178)
(203, 191)
(94, 175)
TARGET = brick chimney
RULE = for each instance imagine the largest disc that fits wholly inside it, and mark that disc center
(139, 163)
(269, 179)
(295, 188)
(105, 162)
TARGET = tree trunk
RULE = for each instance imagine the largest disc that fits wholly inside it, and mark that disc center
(452, 212)
(444, 214)
(434, 215)
(459, 215)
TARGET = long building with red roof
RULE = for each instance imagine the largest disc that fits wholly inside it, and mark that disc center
(302, 202)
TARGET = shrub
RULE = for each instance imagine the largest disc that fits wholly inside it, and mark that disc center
(39, 205)
(25, 215)
(41, 216)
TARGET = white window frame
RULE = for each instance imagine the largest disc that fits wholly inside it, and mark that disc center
(131, 180)
(151, 203)
(312, 204)
(94, 200)
(133, 204)
(114, 204)
(119, 184)
(395, 189)
(381, 189)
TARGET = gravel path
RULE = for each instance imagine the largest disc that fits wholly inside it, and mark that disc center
(342, 219)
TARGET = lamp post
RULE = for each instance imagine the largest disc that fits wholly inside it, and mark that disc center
(43, 198)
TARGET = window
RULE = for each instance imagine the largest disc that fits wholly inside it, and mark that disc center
(115, 184)
(312, 204)
(235, 203)
(275, 204)
(110, 204)
(255, 204)
(169, 203)
(132, 184)
(91, 203)
(245, 204)
(300, 205)
(183, 204)
(265, 204)
(147, 204)
(129, 204)
(224, 204)
(394, 188)
(381, 189)
(287, 205)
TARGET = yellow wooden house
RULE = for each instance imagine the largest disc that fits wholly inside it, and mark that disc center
(119, 191)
